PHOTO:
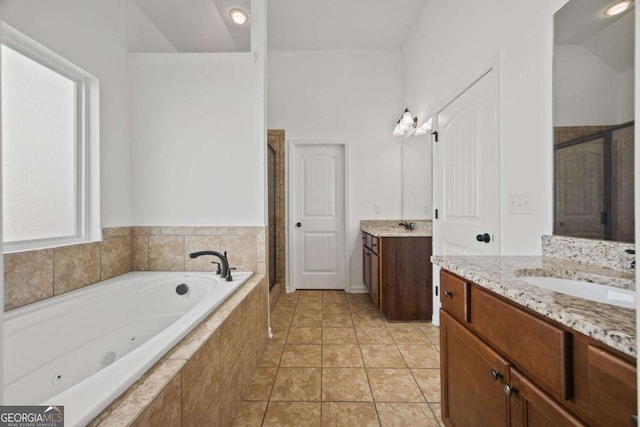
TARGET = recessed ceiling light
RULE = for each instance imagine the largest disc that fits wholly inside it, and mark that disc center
(238, 16)
(617, 8)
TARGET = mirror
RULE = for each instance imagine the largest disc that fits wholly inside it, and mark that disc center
(416, 177)
(593, 113)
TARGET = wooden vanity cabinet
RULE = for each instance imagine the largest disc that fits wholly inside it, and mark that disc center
(549, 374)
(397, 271)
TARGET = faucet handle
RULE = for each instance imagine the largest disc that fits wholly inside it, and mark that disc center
(218, 271)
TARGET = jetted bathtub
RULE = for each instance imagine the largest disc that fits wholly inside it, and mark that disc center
(84, 348)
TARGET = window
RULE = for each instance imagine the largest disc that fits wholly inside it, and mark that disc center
(49, 147)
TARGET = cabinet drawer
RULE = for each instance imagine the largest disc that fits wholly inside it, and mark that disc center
(454, 296)
(539, 348)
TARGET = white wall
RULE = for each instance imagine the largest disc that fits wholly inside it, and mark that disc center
(587, 91)
(142, 35)
(354, 95)
(197, 141)
(91, 34)
(450, 42)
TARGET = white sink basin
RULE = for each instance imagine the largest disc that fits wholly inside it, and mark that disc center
(591, 291)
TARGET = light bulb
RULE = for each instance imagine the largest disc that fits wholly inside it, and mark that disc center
(617, 7)
(238, 16)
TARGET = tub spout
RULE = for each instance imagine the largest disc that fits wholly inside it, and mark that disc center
(225, 271)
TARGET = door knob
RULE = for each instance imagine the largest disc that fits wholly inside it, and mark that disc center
(496, 375)
(298, 224)
(483, 238)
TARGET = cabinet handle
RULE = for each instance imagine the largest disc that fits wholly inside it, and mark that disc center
(496, 375)
(448, 294)
(508, 390)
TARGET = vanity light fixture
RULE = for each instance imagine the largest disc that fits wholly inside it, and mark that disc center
(405, 123)
(238, 16)
(424, 128)
(616, 8)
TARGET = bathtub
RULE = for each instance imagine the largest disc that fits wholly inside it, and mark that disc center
(84, 348)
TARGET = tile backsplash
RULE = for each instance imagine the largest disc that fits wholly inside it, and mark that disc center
(604, 253)
(36, 275)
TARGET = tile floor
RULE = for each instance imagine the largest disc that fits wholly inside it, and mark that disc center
(334, 361)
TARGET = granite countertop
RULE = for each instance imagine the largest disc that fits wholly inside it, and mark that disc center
(391, 228)
(613, 326)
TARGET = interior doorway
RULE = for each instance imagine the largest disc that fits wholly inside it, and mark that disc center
(276, 238)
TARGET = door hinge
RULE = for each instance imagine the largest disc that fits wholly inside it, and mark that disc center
(436, 291)
(435, 134)
(436, 213)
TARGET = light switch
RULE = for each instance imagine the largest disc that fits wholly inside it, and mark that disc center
(521, 203)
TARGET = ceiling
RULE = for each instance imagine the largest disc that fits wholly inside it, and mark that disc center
(204, 25)
(611, 38)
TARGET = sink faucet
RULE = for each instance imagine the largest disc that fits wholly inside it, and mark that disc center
(632, 252)
(225, 271)
(406, 225)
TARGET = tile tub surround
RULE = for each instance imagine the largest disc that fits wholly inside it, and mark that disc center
(203, 379)
(613, 326)
(589, 251)
(35, 275)
(390, 228)
(168, 248)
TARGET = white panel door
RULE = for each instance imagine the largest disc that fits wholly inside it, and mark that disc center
(466, 172)
(318, 190)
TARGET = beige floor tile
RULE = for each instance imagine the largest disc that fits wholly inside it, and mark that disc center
(335, 308)
(420, 356)
(282, 316)
(305, 336)
(349, 414)
(405, 415)
(336, 320)
(271, 356)
(308, 297)
(341, 356)
(429, 382)
(301, 356)
(307, 320)
(366, 320)
(345, 385)
(394, 385)
(382, 356)
(408, 336)
(433, 333)
(250, 414)
(261, 384)
(436, 408)
(339, 336)
(279, 336)
(280, 325)
(309, 308)
(363, 308)
(292, 414)
(291, 298)
(334, 296)
(374, 335)
(297, 384)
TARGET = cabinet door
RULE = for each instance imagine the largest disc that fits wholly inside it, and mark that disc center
(532, 407)
(612, 389)
(472, 378)
(374, 274)
(366, 267)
